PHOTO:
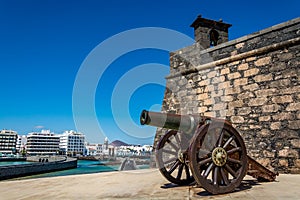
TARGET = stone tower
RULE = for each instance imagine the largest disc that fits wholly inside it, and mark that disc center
(209, 33)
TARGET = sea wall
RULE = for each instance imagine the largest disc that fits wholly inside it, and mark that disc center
(13, 171)
(254, 82)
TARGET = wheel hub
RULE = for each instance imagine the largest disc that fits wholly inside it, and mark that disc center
(181, 156)
(219, 156)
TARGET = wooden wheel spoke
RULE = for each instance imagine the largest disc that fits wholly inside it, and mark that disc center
(221, 139)
(234, 161)
(205, 161)
(169, 152)
(231, 171)
(172, 160)
(207, 171)
(231, 151)
(180, 171)
(178, 140)
(175, 165)
(215, 176)
(187, 171)
(224, 176)
(228, 142)
(176, 148)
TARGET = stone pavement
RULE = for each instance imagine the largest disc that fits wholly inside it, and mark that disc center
(139, 184)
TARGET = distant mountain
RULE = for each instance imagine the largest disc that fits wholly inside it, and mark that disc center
(118, 143)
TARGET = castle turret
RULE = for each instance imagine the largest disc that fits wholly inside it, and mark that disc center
(210, 33)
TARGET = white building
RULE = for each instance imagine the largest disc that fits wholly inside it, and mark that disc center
(43, 143)
(8, 140)
(72, 143)
(21, 143)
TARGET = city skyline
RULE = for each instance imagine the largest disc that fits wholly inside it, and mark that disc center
(44, 44)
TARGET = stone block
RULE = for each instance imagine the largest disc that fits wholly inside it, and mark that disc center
(209, 102)
(288, 153)
(203, 96)
(297, 163)
(283, 163)
(243, 66)
(264, 133)
(251, 72)
(239, 82)
(240, 45)
(263, 61)
(251, 87)
(263, 78)
(250, 59)
(257, 101)
(244, 111)
(283, 116)
(266, 92)
(245, 95)
(294, 124)
(227, 98)
(275, 125)
(212, 74)
(225, 71)
(293, 107)
(234, 75)
(202, 109)
(234, 90)
(268, 154)
(270, 108)
(285, 56)
(218, 79)
(224, 85)
(287, 134)
(237, 119)
(295, 143)
(236, 104)
(264, 118)
(283, 99)
(282, 83)
(220, 106)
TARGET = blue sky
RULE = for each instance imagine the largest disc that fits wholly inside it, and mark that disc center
(43, 44)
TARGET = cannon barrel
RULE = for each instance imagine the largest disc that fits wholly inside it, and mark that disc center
(185, 123)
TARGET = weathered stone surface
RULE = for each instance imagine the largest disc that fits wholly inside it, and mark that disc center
(283, 99)
(258, 101)
(263, 78)
(295, 143)
(275, 126)
(237, 119)
(287, 152)
(259, 93)
(251, 72)
(243, 66)
(270, 108)
(239, 82)
(293, 107)
(263, 61)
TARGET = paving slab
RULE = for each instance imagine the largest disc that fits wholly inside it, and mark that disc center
(140, 184)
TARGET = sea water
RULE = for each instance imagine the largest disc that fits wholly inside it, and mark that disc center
(83, 167)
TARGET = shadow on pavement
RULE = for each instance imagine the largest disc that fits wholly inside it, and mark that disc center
(245, 185)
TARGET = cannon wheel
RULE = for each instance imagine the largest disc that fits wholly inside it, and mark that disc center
(218, 157)
(172, 160)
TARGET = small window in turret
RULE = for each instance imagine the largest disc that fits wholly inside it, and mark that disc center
(213, 37)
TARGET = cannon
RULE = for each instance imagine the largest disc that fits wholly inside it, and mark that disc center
(203, 150)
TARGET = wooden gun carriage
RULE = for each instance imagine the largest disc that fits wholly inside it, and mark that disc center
(207, 150)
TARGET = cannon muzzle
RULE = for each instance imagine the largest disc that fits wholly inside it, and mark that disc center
(185, 123)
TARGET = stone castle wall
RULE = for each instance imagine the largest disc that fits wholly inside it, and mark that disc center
(254, 82)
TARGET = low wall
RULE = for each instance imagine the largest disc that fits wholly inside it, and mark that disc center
(14, 171)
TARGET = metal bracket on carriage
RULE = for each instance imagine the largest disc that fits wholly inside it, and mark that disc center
(258, 171)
